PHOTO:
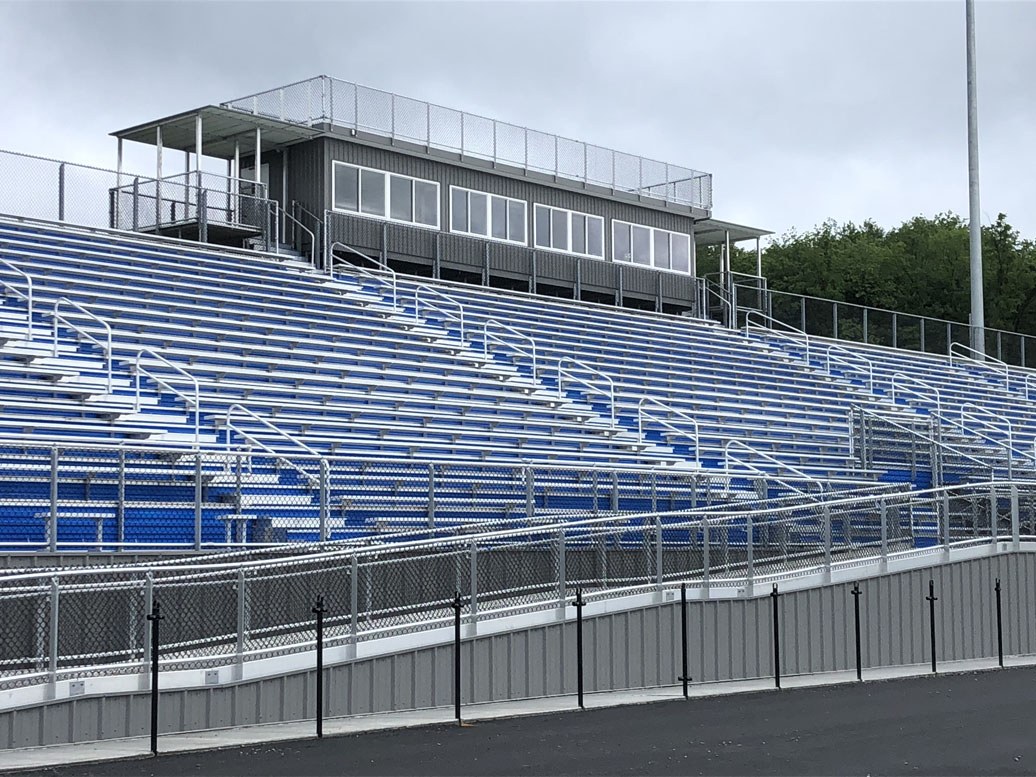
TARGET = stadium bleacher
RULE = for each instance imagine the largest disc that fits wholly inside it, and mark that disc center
(382, 368)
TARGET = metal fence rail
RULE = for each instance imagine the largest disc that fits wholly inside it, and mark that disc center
(325, 100)
(87, 622)
(127, 498)
(827, 318)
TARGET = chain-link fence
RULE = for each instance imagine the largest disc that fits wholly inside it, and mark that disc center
(184, 204)
(330, 100)
(62, 624)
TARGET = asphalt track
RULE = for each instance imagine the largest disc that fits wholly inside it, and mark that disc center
(980, 723)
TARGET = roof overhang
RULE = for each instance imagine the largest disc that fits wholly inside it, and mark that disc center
(222, 130)
(712, 231)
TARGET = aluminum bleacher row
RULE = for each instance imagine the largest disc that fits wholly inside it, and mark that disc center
(396, 375)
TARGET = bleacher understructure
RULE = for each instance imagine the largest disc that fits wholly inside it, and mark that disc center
(140, 369)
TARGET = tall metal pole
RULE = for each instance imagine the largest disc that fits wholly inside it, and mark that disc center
(978, 315)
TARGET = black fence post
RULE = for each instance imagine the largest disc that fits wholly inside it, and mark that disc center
(932, 599)
(856, 613)
(579, 604)
(154, 616)
(774, 595)
(319, 611)
(999, 626)
(457, 607)
(685, 676)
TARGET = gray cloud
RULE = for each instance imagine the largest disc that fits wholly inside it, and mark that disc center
(803, 111)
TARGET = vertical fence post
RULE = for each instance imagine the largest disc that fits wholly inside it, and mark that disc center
(197, 501)
(431, 496)
(659, 571)
(562, 593)
(530, 492)
(685, 676)
(775, 595)
(136, 206)
(354, 598)
(579, 604)
(325, 493)
(319, 611)
(827, 540)
(749, 552)
(884, 535)
(895, 330)
(242, 618)
(473, 605)
(61, 192)
(52, 519)
(1015, 522)
(457, 607)
(154, 617)
(999, 626)
(706, 544)
(55, 614)
(932, 599)
(120, 507)
(856, 617)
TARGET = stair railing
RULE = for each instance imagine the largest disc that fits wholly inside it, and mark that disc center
(383, 269)
(428, 291)
(849, 360)
(821, 485)
(608, 393)
(788, 332)
(285, 216)
(994, 423)
(488, 336)
(645, 415)
(937, 445)
(191, 401)
(960, 352)
(278, 456)
(24, 295)
(105, 345)
(899, 388)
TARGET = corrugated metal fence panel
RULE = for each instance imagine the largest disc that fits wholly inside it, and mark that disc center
(728, 639)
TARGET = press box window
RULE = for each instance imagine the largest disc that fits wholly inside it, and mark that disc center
(385, 195)
(487, 215)
(651, 247)
(569, 232)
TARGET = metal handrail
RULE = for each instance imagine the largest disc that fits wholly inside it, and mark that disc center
(900, 377)
(105, 346)
(773, 460)
(787, 327)
(487, 336)
(229, 426)
(985, 361)
(393, 282)
(307, 230)
(138, 370)
(25, 295)
(641, 413)
(610, 393)
(939, 443)
(975, 413)
(458, 316)
(846, 361)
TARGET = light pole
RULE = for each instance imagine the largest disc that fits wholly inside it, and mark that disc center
(978, 315)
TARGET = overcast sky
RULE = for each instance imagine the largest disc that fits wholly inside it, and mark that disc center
(802, 111)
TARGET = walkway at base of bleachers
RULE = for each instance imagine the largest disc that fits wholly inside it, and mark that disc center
(47, 758)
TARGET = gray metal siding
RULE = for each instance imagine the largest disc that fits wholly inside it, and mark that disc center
(728, 639)
(461, 252)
